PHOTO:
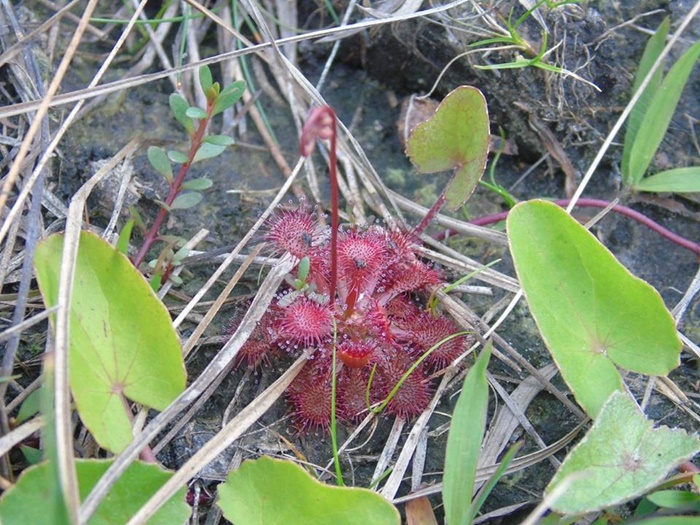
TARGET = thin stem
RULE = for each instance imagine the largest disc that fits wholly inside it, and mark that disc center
(334, 208)
(175, 188)
(322, 124)
(599, 203)
(334, 430)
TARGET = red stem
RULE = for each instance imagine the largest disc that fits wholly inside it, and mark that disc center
(598, 203)
(322, 124)
(334, 209)
(175, 188)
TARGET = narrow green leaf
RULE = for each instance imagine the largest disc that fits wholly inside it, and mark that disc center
(267, 491)
(671, 520)
(205, 78)
(125, 237)
(658, 116)
(195, 112)
(30, 406)
(593, 314)
(178, 106)
(32, 455)
(676, 499)
(186, 200)
(177, 157)
(208, 151)
(25, 502)
(228, 97)
(220, 140)
(197, 184)
(155, 281)
(680, 180)
(116, 352)
(621, 457)
(486, 489)
(159, 160)
(464, 442)
(456, 137)
(651, 52)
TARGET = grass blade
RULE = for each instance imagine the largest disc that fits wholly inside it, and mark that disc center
(651, 52)
(681, 180)
(658, 115)
(464, 442)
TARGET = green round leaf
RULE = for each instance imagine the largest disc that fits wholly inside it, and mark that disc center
(456, 137)
(272, 491)
(26, 501)
(621, 457)
(593, 314)
(122, 343)
(186, 200)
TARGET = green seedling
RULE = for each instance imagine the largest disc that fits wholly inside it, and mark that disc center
(651, 117)
(530, 56)
(195, 120)
(494, 186)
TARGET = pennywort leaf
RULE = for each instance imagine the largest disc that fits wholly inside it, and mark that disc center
(621, 457)
(457, 138)
(270, 490)
(116, 353)
(593, 314)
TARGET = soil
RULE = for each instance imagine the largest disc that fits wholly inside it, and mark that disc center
(375, 70)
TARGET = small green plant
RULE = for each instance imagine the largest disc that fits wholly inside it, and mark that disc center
(530, 56)
(650, 118)
(186, 194)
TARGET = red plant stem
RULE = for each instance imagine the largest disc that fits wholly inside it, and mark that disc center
(432, 213)
(322, 124)
(599, 203)
(334, 208)
(175, 188)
